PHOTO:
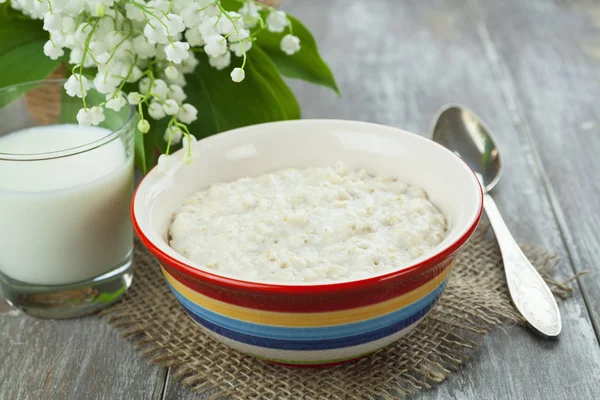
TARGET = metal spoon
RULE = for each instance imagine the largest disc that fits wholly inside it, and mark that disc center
(460, 130)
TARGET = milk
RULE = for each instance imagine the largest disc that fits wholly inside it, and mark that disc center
(64, 220)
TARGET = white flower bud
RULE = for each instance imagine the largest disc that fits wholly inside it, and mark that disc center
(58, 38)
(90, 116)
(276, 21)
(174, 24)
(212, 10)
(68, 25)
(133, 12)
(163, 159)
(193, 15)
(143, 126)
(134, 98)
(193, 37)
(77, 85)
(290, 44)
(177, 51)
(106, 83)
(187, 113)
(188, 65)
(180, 81)
(144, 85)
(53, 51)
(155, 110)
(136, 74)
(173, 135)
(156, 34)
(171, 107)
(239, 42)
(164, 164)
(143, 48)
(100, 9)
(215, 45)
(225, 26)
(84, 117)
(82, 32)
(250, 13)
(171, 72)
(187, 158)
(102, 58)
(238, 75)
(220, 62)
(239, 35)
(188, 140)
(116, 102)
(176, 93)
(97, 115)
(237, 47)
(207, 27)
(52, 22)
(160, 88)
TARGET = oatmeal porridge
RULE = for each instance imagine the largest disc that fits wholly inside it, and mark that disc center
(307, 225)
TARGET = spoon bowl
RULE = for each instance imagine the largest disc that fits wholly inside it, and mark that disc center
(460, 130)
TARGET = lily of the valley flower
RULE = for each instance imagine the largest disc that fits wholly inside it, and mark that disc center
(152, 44)
(90, 116)
(238, 75)
(77, 85)
(290, 44)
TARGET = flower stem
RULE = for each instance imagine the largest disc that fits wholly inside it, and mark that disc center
(224, 12)
(85, 51)
(114, 50)
(172, 122)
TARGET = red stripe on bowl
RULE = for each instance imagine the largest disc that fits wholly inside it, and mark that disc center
(307, 301)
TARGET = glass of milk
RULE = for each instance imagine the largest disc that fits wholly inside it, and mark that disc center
(66, 242)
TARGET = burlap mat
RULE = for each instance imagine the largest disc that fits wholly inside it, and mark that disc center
(475, 301)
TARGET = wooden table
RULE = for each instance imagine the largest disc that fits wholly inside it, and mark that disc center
(531, 69)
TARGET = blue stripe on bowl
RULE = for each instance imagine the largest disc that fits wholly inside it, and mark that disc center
(325, 344)
(316, 333)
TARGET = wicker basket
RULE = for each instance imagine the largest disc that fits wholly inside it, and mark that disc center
(271, 3)
(43, 103)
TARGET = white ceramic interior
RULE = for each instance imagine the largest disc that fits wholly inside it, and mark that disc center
(448, 181)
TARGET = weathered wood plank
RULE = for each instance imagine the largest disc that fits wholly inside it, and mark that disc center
(549, 59)
(4, 307)
(397, 63)
(71, 359)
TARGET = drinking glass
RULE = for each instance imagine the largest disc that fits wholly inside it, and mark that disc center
(66, 241)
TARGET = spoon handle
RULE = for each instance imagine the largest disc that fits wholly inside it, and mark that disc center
(530, 294)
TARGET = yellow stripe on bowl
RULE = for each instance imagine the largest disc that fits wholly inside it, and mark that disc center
(307, 319)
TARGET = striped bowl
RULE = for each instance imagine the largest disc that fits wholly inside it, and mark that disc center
(309, 325)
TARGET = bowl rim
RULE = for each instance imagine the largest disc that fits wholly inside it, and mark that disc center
(265, 288)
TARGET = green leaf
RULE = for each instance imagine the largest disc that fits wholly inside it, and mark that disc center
(232, 5)
(22, 57)
(144, 150)
(69, 106)
(148, 146)
(223, 104)
(306, 64)
(140, 152)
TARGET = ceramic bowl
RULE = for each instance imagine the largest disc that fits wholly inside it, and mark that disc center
(310, 325)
